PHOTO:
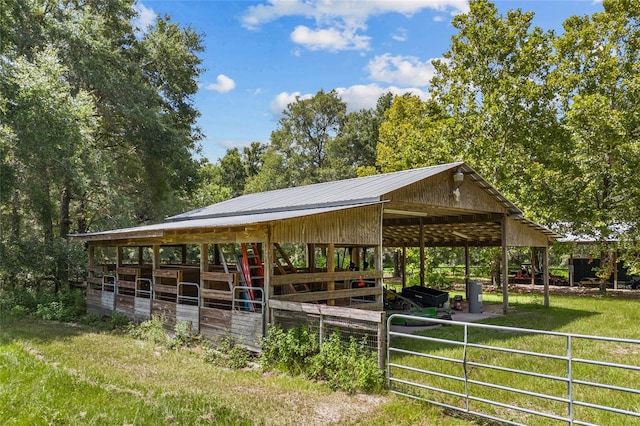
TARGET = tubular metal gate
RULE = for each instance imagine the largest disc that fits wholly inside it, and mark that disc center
(485, 370)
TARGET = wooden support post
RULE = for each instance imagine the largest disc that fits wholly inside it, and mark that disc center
(331, 267)
(311, 257)
(155, 262)
(533, 265)
(505, 267)
(545, 274)
(404, 267)
(140, 255)
(467, 273)
(355, 252)
(184, 254)
(377, 261)
(204, 257)
(615, 269)
(92, 255)
(119, 256)
(268, 259)
(571, 270)
(421, 253)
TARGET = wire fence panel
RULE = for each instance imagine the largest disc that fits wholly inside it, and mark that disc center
(366, 327)
(517, 376)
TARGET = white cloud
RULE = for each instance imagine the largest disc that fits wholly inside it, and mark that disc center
(330, 10)
(362, 96)
(400, 34)
(223, 84)
(280, 102)
(402, 70)
(332, 39)
(356, 97)
(145, 18)
(338, 22)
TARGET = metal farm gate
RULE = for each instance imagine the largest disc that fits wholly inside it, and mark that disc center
(514, 375)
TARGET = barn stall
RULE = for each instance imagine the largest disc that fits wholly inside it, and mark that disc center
(305, 255)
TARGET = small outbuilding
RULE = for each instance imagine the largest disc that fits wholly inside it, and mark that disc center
(309, 254)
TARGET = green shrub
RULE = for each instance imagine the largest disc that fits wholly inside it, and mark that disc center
(228, 354)
(92, 318)
(347, 366)
(119, 321)
(152, 329)
(184, 335)
(65, 306)
(289, 351)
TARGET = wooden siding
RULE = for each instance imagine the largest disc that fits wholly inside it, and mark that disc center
(167, 310)
(215, 323)
(358, 226)
(94, 300)
(338, 311)
(107, 302)
(142, 309)
(125, 305)
(190, 314)
(437, 191)
(246, 329)
(520, 235)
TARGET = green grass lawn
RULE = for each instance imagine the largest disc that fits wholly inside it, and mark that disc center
(595, 315)
(54, 373)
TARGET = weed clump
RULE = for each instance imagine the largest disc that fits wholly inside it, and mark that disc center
(151, 329)
(348, 366)
(228, 354)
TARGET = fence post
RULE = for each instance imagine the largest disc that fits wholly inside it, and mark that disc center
(321, 331)
(381, 341)
(569, 382)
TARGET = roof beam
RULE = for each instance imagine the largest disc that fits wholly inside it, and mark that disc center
(440, 220)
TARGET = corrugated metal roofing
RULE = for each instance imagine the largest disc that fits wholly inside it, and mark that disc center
(338, 193)
(158, 229)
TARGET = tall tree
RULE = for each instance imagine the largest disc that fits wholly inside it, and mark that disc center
(414, 134)
(305, 131)
(96, 122)
(355, 148)
(492, 82)
(597, 74)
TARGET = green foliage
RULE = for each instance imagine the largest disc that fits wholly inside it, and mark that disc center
(119, 321)
(97, 127)
(184, 335)
(290, 351)
(228, 354)
(346, 366)
(42, 303)
(152, 330)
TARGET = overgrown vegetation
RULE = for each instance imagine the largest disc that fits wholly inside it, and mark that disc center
(42, 302)
(54, 372)
(348, 366)
(226, 353)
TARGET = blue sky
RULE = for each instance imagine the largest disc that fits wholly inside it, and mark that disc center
(260, 54)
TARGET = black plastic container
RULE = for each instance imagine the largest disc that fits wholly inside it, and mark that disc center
(425, 296)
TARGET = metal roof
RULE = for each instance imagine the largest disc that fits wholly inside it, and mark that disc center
(315, 199)
(158, 229)
(346, 192)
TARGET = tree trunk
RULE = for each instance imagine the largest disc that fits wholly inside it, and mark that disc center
(15, 217)
(65, 201)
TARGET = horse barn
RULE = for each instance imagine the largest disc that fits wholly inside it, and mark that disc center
(305, 255)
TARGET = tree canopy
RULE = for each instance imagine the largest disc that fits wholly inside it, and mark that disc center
(98, 125)
(97, 122)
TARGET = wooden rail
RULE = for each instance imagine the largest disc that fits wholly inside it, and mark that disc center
(336, 311)
(327, 295)
(319, 277)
